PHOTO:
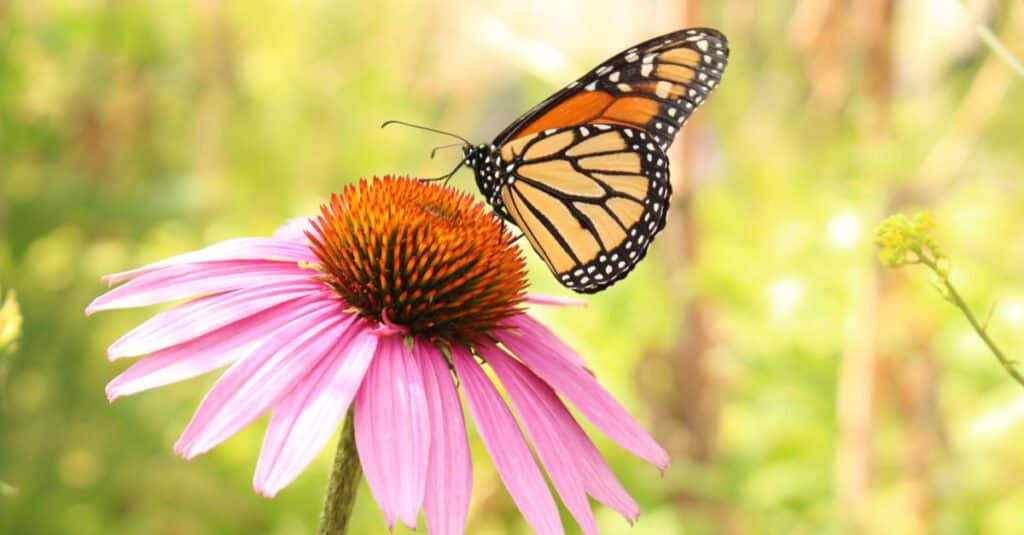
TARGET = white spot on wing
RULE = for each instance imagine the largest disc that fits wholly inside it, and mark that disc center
(662, 89)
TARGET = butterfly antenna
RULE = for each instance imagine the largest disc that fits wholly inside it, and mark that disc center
(428, 129)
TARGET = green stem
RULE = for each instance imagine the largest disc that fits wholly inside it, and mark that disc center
(345, 477)
(993, 42)
(958, 301)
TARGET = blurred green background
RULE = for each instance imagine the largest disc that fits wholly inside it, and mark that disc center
(798, 386)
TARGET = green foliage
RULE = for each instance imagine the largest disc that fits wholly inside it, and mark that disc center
(133, 131)
(10, 323)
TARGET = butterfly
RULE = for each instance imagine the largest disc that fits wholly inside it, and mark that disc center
(585, 174)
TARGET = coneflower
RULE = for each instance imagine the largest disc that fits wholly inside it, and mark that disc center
(388, 303)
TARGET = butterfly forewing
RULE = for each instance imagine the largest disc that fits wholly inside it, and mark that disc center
(654, 86)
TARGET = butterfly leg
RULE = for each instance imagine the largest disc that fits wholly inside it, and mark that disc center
(447, 176)
(505, 220)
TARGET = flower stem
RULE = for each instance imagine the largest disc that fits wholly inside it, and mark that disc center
(958, 301)
(344, 483)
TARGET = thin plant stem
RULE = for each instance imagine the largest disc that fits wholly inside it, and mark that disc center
(344, 483)
(992, 41)
(1000, 49)
(958, 301)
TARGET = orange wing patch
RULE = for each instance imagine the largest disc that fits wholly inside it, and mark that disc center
(591, 107)
(631, 111)
(577, 109)
(682, 56)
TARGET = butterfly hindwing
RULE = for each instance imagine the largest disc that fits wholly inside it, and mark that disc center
(589, 199)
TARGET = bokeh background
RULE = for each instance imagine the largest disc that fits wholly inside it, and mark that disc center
(799, 387)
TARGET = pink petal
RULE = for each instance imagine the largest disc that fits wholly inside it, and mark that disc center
(450, 470)
(533, 401)
(552, 300)
(208, 352)
(254, 384)
(506, 444)
(179, 282)
(554, 362)
(307, 417)
(237, 249)
(206, 314)
(598, 478)
(393, 431)
(538, 403)
(525, 326)
(294, 230)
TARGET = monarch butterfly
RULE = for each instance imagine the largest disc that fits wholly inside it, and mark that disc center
(584, 174)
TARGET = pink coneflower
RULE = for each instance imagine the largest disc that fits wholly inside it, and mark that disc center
(390, 301)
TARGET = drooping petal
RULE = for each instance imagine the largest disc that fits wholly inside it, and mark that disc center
(538, 403)
(450, 470)
(556, 364)
(180, 282)
(208, 352)
(206, 314)
(533, 406)
(508, 448)
(393, 431)
(237, 249)
(254, 384)
(303, 422)
(598, 478)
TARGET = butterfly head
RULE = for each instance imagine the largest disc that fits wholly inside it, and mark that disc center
(473, 155)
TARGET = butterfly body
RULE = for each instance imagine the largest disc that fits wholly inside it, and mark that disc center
(486, 164)
(584, 174)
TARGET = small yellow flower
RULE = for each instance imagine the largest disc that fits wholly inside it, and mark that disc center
(905, 240)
